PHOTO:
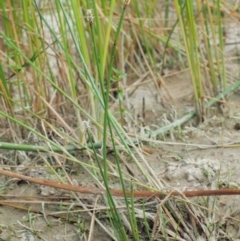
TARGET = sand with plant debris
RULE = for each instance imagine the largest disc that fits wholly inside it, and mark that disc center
(194, 156)
(190, 158)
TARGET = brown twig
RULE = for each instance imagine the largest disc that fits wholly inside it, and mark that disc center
(115, 192)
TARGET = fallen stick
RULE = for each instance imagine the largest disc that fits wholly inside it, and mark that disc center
(115, 192)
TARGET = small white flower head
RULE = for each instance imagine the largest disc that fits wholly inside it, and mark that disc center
(86, 125)
(90, 16)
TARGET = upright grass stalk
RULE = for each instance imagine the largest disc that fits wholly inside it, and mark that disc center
(6, 93)
(222, 68)
(33, 42)
(187, 22)
(107, 123)
(147, 41)
(205, 17)
(107, 120)
(215, 36)
(113, 214)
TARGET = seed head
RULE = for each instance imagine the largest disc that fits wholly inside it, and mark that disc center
(86, 125)
(90, 16)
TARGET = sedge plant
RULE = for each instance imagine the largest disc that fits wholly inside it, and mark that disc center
(56, 71)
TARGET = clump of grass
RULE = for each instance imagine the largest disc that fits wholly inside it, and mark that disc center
(57, 68)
